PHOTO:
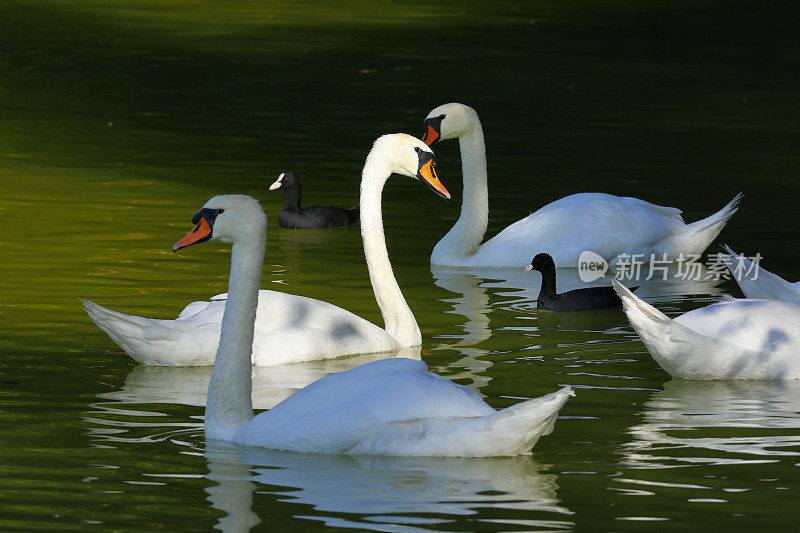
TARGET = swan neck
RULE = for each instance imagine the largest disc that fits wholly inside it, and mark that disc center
(466, 235)
(229, 406)
(398, 319)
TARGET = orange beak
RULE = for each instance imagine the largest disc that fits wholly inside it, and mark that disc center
(428, 174)
(200, 233)
(430, 136)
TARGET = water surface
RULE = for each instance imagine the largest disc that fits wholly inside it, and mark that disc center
(120, 119)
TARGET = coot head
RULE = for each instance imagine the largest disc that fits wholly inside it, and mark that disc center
(541, 262)
(286, 180)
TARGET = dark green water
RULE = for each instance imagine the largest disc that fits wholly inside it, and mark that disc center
(118, 120)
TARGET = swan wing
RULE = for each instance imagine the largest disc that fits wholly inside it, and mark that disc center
(336, 412)
(193, 308)
(189, 341)
(288, 328)
(387, 390)
(602, 223)
(396, 407)
(291, 328)
(339, 338)
(606, 224)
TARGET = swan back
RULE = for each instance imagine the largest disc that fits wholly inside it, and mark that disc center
(750, 323)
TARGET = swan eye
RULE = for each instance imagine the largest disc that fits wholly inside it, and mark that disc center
(220, 211)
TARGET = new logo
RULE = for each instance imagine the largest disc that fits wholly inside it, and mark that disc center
(591, 266)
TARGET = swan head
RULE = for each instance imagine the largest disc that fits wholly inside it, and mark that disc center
(411, 157)
(286, 180)
(541, 262)
(448, 121)
(228, 218)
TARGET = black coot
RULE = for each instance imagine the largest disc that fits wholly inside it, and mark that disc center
(317, 216)
(586, 299)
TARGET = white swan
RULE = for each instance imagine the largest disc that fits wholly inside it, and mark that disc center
(765, 285)
(605, 224)
(291, 328)
(733, 339)
(387, 407)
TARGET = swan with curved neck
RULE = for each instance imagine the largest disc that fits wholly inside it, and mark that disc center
(292, 328)
(605, 224)
(389, 407)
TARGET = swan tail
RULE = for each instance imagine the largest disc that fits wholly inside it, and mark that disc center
(516, 429)
(757, 282)
(652, 326)
(682, 352)
(136, 335)
(632, 304)
(699, 235)
(510, 431)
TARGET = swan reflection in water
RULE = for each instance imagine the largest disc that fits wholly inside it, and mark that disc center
(716, 422)
(386, 493)
(271, 384)
(472, 303)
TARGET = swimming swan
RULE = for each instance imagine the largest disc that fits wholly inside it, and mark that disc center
(605, 224)
(387, 407)
(733, 339)
(291, 328)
